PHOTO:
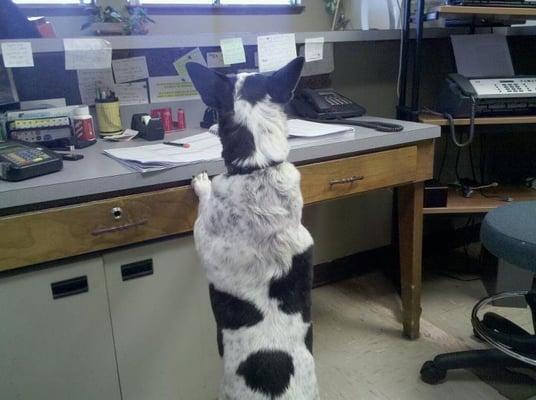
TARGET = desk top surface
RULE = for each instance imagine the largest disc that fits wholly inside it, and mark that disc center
(97, 174)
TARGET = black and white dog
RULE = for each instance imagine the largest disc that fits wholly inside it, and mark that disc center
(248, 233)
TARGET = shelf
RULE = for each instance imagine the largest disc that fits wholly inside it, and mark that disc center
(477, 203)
(470, 10)
(507, 120)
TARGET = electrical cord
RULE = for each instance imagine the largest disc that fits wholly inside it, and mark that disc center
(376, 125)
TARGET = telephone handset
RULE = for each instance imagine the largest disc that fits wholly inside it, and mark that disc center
(329, 107)
(325, 104)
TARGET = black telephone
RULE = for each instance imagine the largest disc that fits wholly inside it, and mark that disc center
(328, 106)
(325, 104)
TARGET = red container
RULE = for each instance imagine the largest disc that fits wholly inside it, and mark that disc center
(181, 119)
(165, 116)
(83, 129)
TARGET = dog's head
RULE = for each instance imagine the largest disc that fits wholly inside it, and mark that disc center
(252, 122)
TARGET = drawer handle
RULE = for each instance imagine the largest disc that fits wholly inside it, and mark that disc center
(117, 212)
(124, 227)
(69, 287)
(137, 269)
(345, 180)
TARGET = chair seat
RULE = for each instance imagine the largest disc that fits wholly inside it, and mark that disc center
(509, 233)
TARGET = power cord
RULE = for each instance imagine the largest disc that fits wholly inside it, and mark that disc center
(376, 125)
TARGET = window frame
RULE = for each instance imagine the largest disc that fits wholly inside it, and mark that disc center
(55, 9)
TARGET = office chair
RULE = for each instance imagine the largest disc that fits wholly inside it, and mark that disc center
(508, 232)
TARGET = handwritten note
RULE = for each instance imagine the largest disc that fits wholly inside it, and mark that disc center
(90, 80)
(130, 69)
(215, 60)
(171, 88)
(132, 93)
(180, 64)
(17, 54)
(276, 51)
(314, 49)
(233, 51)
(87, 54)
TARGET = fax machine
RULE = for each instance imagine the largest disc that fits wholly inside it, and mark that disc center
(488, 96)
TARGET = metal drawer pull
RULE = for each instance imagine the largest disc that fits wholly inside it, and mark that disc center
(345, 180)
(124, 227)
(69, 287)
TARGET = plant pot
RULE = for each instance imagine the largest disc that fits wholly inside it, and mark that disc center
(106, 28)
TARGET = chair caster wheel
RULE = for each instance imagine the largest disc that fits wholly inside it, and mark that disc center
(431, 373)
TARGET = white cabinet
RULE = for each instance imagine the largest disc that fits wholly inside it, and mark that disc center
(57, 349)
(164, 331)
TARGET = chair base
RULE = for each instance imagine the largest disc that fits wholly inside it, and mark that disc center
(435, 371)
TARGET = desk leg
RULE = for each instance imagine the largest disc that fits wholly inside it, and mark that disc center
(410, 205)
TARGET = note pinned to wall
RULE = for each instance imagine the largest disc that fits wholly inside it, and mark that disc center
(276, 51)
(130, 69)
(90, 80)
(83, 54)
(17, 54)
(132, 93)
(180, 64)
(233, 51)
(171, 88)
(215, 60)
(314, 49)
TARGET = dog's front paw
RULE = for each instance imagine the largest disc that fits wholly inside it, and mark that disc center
(202, 186)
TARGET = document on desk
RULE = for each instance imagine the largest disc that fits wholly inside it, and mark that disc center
(302, 128)
(203, 147)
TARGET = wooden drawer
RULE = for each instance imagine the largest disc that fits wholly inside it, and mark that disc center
(68, 231)
(338, 178)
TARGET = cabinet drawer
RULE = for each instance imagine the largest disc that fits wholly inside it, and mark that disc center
(68, 231)
(338, 178)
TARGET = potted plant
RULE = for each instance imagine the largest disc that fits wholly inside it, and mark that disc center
(109, 21)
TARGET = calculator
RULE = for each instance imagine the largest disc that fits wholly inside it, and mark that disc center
(19, 161)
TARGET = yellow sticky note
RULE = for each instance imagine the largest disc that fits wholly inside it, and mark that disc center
(233, 51)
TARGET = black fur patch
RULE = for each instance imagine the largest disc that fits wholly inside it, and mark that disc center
(294, 290)
(309, 339)
(267, 371)
(237, 142)
(231, 312)
(254, 89)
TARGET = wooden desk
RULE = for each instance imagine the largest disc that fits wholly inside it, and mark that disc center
(59, 232)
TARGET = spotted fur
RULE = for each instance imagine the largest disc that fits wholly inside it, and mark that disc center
(256, 253)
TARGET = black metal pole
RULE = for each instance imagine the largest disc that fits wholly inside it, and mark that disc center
(417, 61)
(406, 21)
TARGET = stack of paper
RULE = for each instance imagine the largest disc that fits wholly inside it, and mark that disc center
(301, 128)
(203, 147)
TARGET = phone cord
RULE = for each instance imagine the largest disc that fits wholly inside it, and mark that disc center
(376, 125)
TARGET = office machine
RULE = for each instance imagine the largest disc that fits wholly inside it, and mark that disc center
(328, 106)
(493, 3)
(19, 161)
(488, 96)
(50, 132)
(325, 104)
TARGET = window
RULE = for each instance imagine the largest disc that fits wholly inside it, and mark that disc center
(225, 2)
(38, 2)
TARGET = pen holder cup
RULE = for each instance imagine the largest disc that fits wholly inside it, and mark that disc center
(108, 116)
(154, 130)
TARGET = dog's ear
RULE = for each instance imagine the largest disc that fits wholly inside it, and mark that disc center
(284, 81)
(213, 87)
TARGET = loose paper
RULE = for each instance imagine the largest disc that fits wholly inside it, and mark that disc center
(130, 69)
(233, 51)
(17, 54)
(90, 80)
(171, 88)
(276, 51)
(87, 54)
(215, 60)
(132, 93)
(180, 64)
(314, 49)
(482, 55)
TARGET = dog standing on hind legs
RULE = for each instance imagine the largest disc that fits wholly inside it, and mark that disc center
(256, 253)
